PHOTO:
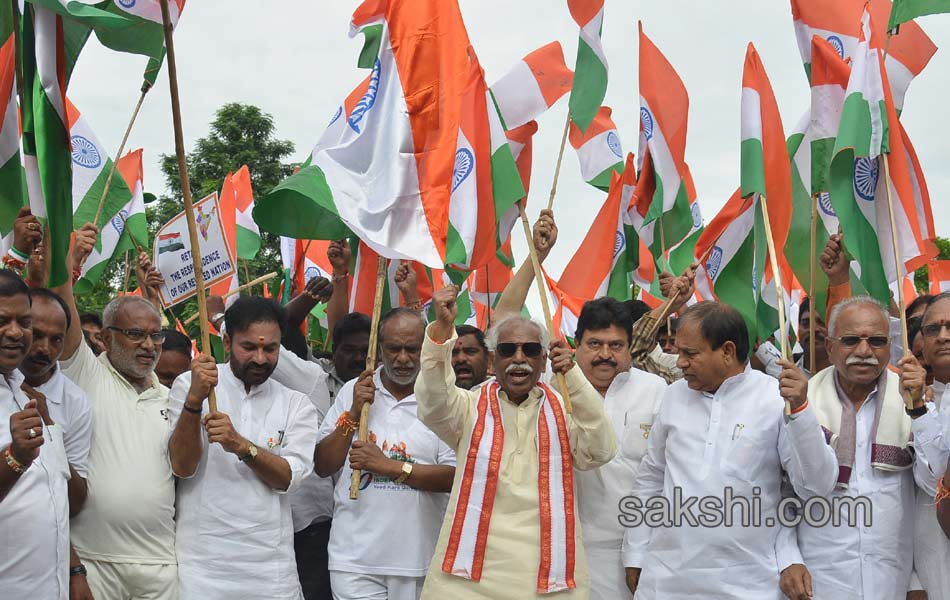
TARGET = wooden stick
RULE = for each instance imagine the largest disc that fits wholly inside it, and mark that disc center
(125, 138)
(247, 273)
(543, 291)
(813, 266)
(560, 157)
(363, 433)
(899, 268)
(125, 278)
(186, 191)
(238, 290)
(779, 290)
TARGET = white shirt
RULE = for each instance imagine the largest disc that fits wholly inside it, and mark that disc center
(632, 403)
(235, 534)
(68, 406)
(865, 563)
(34, 516)
(129, 514)
(392, 529)
(312, 501)
(702, 443)
(932, 441)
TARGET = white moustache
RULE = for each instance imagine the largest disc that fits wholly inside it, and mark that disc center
(522, 366)
(859, 360)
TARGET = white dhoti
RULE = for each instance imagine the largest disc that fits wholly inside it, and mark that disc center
(608, 579)
(931, 550)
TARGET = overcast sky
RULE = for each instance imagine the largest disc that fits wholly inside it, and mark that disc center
(294, 59)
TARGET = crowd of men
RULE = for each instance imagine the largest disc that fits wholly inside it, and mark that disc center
(649, 460)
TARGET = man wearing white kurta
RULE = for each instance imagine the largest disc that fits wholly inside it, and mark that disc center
(512, 529)
(34, 508)
(932, 446)
(381, 544)
(235, 533)
(721, 427)
(632, 400)
(860, 407)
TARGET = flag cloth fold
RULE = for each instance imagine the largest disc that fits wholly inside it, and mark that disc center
(532, 86)
(590, 68)
(598, 149)
(11, 170)
(384, 169)
(869, 133)
(127, 229)
(938, 271)
(839, 23)
(905, 10)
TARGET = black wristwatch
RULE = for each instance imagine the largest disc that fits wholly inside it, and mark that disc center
(77, 570)
(913, 413)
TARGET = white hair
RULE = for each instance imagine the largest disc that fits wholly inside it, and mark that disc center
(491, 337)
(111, 311)
(853, 301)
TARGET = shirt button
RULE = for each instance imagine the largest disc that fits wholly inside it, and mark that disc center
(519, 451)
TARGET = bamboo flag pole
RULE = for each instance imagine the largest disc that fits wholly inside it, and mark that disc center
(560, 157)
(899, 268)
(779, 290)
(363, 432)
(813, 266)
(238, 290)
(186, 191)
(125, 138)
(128, 271)
(542, 290)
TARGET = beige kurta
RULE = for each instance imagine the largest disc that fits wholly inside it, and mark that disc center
(513, 551)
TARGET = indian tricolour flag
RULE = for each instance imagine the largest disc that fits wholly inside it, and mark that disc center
(91, 166)
(565, 309)
(811, 146)
(519, 141)
(765, 176)
(247, 234)
(664, 111)
(485, 182)
(601, 265)
(384, 169)
(590, 69)
(532, 86)
(47, 153)
(126, 229)
(727, 246)
(598, 149)
(170, 242)
(11, 171)
(839, 23)
(869, 129)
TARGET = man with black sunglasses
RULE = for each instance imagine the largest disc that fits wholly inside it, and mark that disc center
(932, 445)
(512, 529)
(125, 534)
(860, 404)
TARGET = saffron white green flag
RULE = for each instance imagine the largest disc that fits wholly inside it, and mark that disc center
(598, 149)
(590, 69)
(384, 169)
(11, 170)
(868, 131)
(532, 86)
(839, 23)
(126, 229)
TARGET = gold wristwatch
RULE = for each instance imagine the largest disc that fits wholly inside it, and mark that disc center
(406, 472)
(251, 453)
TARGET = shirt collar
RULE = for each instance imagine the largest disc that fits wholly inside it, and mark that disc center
(843, 397)
(730, 382)
(381, 389)
(53, 389)
(155, 385)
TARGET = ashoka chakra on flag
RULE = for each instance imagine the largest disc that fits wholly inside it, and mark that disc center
(613, 142)
(714, 262)
(619, 242)
(837, 44)
(118, 221)
(646, 122)
(85, 153)
(865, 176)
(464, 160)
(824, 203)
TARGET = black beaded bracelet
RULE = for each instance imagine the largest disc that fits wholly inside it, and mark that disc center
(196, 411)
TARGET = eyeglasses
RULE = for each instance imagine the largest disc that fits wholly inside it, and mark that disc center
(529, 349)
(874, 341)
(932, 330)
(138, 336)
